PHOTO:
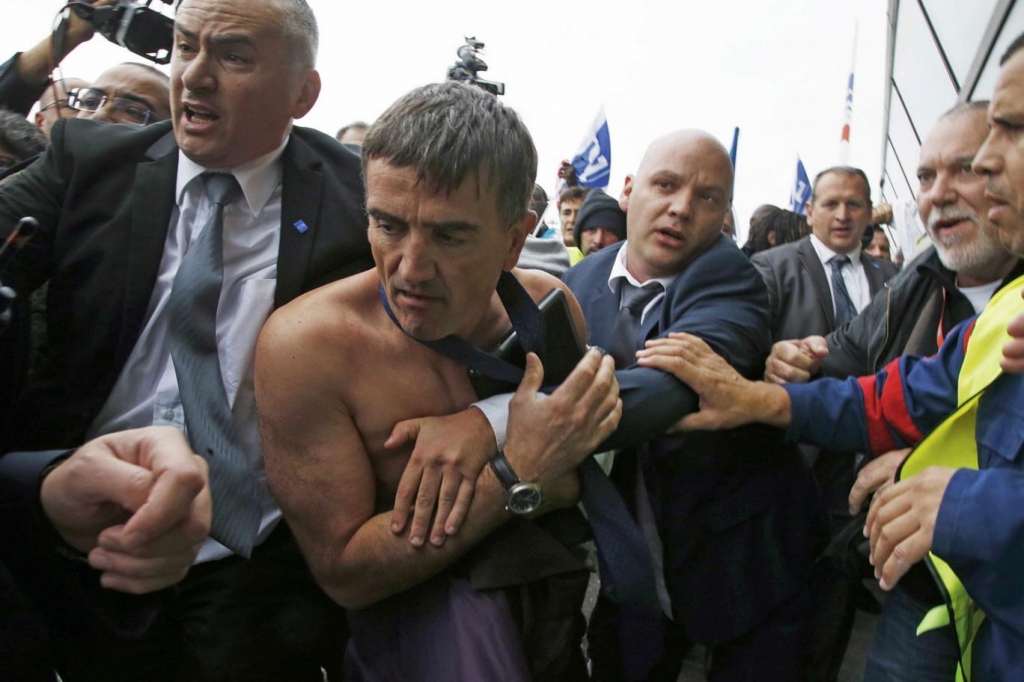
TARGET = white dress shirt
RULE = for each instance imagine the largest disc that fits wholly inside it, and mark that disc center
(853, 274)
(146, 392)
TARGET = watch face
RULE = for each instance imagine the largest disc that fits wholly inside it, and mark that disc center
(524, 498)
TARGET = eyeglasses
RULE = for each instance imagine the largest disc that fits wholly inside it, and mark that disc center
(63, 102)
(87, 99)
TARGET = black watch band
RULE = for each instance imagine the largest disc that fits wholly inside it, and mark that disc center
(504, 472)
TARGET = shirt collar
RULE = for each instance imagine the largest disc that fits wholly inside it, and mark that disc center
(619, 271)
(826, 254)
(258, 178)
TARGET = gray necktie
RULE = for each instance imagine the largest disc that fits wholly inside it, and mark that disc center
(192, 337)
(625, 341)
(845, 310)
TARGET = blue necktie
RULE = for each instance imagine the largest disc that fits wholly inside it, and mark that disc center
(192, 337)
(845, 310)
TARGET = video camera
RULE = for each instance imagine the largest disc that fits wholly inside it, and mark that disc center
(469, 63)
(133, 25)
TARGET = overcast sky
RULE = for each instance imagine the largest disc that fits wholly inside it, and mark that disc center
(776, 70)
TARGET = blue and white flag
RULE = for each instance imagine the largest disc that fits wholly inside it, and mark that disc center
(593, 163)
(801, 193)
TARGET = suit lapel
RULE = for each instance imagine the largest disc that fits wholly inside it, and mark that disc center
(810, 262)
(602, 307)
(300, 215)
(151, 205)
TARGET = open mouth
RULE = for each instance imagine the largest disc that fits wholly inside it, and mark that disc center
(198, 115)
(672, 237)
(949, 223)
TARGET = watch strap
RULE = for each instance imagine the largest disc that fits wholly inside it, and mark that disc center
(504, 472)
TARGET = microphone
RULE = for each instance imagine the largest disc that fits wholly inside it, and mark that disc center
(22, 232)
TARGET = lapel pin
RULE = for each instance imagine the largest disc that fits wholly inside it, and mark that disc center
(301, 226)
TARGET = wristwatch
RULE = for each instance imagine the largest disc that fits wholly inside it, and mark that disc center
(520, 497)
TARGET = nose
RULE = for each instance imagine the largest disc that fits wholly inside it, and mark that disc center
(942, 192)
(417, 264)
(843, 213)
(197, 74)
(987, 161)
(681, 205)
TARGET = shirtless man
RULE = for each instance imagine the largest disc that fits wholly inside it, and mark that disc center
(449, 172)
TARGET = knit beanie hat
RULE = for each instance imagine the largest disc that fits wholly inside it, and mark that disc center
(600, 210)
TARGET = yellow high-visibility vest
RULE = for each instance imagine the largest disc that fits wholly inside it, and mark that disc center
(953, 444)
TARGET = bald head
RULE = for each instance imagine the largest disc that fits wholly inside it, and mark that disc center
(698, 150)
(128, 93)
(676, 204)
(53, 104)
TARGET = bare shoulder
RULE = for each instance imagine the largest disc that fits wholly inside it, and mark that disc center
(331, 315)
(305, 343)
(538, 284)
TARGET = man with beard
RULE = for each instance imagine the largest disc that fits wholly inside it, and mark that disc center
(948, 283)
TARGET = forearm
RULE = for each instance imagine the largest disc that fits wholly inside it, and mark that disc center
(376, 563)
(33, 65)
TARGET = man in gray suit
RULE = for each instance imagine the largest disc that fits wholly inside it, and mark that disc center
(804, 294)
(817, 285)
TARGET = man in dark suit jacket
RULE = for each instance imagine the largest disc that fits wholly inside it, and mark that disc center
(733, 511)
(114, 221)
(806, 299)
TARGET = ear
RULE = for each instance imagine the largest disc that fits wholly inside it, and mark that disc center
(40, 123)
(627, 190)
(308, 95)
(519, 230)
(808, 211)
(771, 237)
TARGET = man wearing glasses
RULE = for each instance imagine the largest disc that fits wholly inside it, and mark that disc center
(137, 94)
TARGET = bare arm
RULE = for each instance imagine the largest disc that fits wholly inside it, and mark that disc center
(320, 472)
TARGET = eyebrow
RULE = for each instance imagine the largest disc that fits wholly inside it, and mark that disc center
(446, 225)
(217, 40)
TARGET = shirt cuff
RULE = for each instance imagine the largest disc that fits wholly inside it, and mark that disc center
(495, 410)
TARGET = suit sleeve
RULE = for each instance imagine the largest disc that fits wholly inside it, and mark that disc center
(38, 558)
(980, 533)
(886, 411)
(767, 272)
(719, 298)
(15, 94)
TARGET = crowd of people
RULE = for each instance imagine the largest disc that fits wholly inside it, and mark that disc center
(278, 405)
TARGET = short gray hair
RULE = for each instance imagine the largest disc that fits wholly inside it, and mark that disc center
(447, 131)
(301, 31)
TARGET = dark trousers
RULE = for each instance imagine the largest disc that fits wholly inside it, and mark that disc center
(24, 645)
(258, 619)
(770, 651)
